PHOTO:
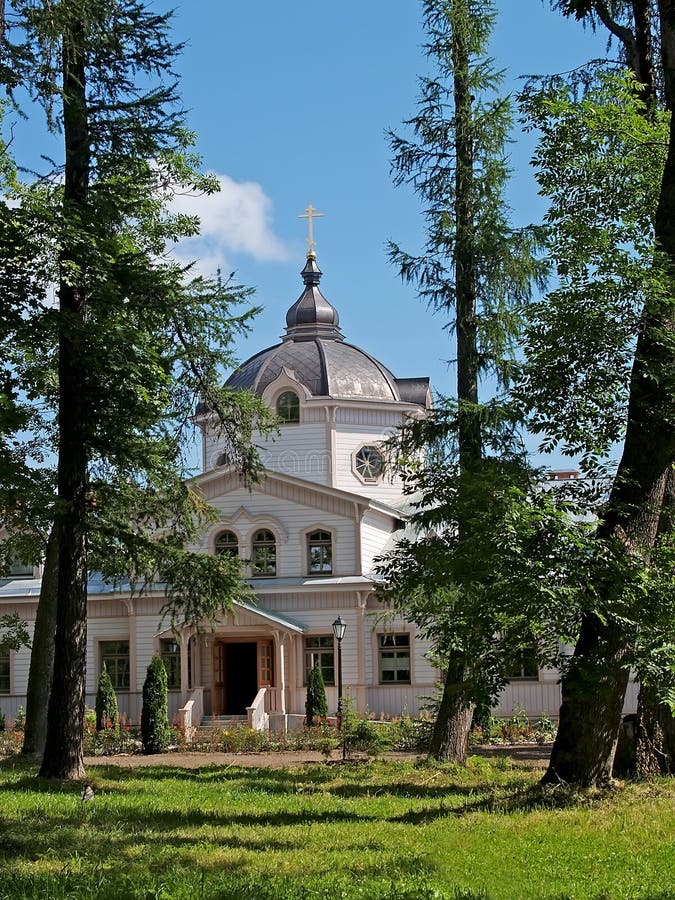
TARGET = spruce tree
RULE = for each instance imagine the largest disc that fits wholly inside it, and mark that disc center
(136, 341)
(316, 705)
(155, 730)
(107, 710)
(475, 269)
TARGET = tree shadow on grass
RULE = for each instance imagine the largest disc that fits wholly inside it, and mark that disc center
(299, 781)
(530, 799)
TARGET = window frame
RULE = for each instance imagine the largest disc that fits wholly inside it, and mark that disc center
(6, 656)
(367, 479)
(327, 649)
(398, 651)
(231, 547)
(527, 656)
(264, 545)
(294, 407)
(173, 670)
(326, 543)
(104, 656)
(19, 569)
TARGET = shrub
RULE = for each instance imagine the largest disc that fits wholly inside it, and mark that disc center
(155, 729)
(107, 710)
(20, 719)
(316, 705)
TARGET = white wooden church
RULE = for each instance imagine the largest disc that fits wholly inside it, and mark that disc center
(310, 531)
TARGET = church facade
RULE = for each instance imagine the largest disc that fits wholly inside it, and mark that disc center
(308, 534)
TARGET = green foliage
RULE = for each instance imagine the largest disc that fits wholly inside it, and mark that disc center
(20, 719)
(13, 632)
(110, 739)
(107, 710)
(479, 271)
(155, 729)
(503, 257)
(600, 160)
(517, 576)
(316, 706)
(158, 338)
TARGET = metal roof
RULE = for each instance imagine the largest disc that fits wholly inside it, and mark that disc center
(315, 351)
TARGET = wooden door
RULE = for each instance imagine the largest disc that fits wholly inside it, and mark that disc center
(218, 695)
(265, 664)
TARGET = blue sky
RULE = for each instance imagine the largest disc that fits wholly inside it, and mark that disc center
(291, 102)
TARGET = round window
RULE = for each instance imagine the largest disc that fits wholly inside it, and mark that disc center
(369, 463)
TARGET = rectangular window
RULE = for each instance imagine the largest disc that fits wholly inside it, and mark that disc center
(115, 655)
(526, 666)
(170, 653)
(320, 649)
(394, 658)
(20, 569)
(4, 673)
(320, 553)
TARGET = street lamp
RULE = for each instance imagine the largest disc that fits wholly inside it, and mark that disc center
(339, 628)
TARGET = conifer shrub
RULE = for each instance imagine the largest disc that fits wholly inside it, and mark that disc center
(107, 710)
(155, 729)
(316, 706)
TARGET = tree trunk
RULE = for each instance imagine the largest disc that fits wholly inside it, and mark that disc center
(42, 655)
(655, 725)
(63, 749)
(593, 693)
(451, 732)
(654, 736)
(450, 739)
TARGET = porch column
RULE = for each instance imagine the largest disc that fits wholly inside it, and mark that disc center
(134, 705)
(197, 662)
(282, 667)
(184, 639)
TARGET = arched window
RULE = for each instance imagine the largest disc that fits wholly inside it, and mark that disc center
(288, 407)
(227, 542)
(320, 552)
(264, 556)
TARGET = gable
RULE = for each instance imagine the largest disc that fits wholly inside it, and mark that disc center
(295, 494)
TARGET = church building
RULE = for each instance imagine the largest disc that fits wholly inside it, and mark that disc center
(309, 532)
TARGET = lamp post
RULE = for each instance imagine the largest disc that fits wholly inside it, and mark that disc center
(339, 628)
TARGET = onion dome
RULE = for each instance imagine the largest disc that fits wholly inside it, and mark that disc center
(315, 352)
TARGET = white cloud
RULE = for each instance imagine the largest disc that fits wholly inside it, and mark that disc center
(234, 220)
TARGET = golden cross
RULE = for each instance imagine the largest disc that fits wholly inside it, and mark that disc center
(310, 214)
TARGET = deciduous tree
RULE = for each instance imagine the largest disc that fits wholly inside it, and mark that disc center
(594, 686)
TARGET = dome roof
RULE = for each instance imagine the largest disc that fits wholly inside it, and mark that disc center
(314, 352)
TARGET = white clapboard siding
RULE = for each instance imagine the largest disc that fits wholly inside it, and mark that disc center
(375, 536)
(347, 441)
(19, 667)
(147, 627)
(395, 700)
(298, 450)
(382, 419)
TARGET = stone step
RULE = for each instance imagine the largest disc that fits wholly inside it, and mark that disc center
(212, 722)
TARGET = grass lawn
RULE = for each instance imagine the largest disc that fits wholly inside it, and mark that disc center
(382, 830)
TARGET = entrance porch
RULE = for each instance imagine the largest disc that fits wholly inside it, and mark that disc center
(244, 668)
